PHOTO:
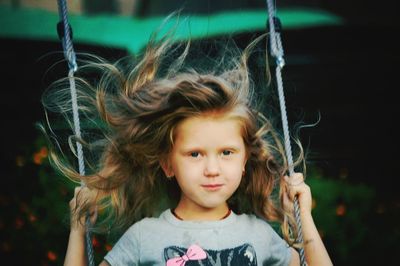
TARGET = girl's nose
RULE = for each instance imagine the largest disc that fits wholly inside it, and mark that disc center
(212, 167)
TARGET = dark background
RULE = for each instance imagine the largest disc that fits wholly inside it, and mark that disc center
(348, 74)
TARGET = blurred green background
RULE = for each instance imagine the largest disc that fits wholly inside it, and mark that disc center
(341, 67)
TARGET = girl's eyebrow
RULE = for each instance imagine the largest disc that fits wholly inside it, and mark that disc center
(222, 147)
(230, 147)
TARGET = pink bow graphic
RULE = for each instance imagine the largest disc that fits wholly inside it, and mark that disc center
(194, 252)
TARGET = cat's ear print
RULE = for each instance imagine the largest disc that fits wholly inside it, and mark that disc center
(248, 248)
(248, 252)
(173, 252)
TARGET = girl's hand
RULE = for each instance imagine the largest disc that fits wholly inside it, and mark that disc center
(82, 195)
(314, 249)
(295, 186)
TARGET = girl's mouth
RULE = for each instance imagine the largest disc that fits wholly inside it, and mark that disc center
(212, 187)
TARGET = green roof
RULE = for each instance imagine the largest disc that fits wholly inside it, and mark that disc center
(132, 33)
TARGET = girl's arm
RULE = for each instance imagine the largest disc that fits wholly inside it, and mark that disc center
(314, 249)
(76, 251)
(76, 254)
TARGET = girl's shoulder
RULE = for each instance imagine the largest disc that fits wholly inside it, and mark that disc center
(259, 228)
(252, 219)
(149, 222)
(255, 222)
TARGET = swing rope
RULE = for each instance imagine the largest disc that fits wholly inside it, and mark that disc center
(277, 53)
(65, 34)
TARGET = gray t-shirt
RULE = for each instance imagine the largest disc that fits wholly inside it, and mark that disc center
(236, 240)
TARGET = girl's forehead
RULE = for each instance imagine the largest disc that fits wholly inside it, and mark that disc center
(208, 128)
(208, 119)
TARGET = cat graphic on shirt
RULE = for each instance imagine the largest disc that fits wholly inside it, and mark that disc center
(243, 255)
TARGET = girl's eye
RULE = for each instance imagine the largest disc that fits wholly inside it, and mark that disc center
(194, 154)
(226, 153)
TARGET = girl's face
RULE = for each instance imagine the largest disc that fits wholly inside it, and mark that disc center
(208, 160)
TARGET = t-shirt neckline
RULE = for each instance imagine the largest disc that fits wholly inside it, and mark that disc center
(170, 218)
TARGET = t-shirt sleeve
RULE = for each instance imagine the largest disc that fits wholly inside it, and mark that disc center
(281, 253)
(126, 251)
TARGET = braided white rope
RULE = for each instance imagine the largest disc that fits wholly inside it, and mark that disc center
(277, 53)
(71, 59)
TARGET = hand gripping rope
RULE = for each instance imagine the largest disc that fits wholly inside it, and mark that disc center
(277, 53)
(65, 34)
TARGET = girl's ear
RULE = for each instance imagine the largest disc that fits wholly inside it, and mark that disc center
(166, 166)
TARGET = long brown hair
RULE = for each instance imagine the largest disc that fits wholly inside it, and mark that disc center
(137, 109)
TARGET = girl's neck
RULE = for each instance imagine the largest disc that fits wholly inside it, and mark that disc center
(201, 214)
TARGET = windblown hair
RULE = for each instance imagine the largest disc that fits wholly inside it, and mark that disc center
(137, 110)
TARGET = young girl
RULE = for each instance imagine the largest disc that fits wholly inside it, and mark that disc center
(188, 140)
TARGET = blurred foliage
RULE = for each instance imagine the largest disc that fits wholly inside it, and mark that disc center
(353, 223)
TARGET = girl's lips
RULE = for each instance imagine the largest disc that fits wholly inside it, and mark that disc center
(212, 187)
